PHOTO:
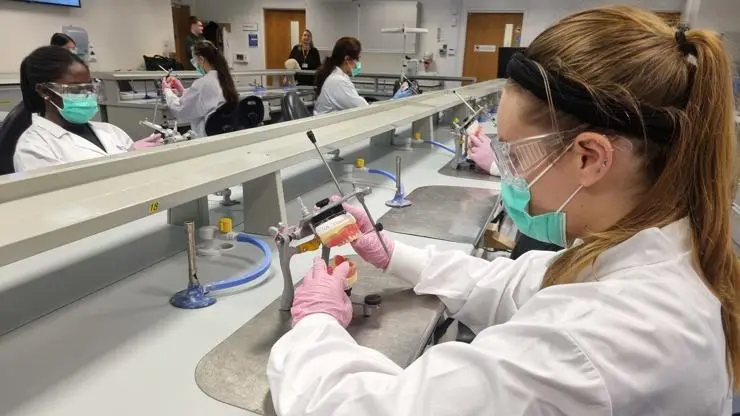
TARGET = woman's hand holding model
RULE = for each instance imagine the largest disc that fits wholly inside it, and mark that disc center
(323, 292)
(368, 246)
(153, 140)
(480, 150)
(174, 84)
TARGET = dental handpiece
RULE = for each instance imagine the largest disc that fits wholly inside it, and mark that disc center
(377, 227)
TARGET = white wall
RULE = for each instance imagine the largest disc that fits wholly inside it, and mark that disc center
(722, 16)
(239, 12)
(121, 31)
(449, 16)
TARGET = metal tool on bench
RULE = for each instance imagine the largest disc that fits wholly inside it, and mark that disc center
(286, 235)
(169, 135)
(461, 128)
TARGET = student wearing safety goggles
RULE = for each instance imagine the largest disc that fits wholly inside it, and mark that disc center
(616, 139)
(59, 92)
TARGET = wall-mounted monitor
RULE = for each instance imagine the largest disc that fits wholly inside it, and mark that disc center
(67, 3)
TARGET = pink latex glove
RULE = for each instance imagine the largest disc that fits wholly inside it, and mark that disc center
(175, 84)
(152, 141)
(323, 292)
(481, 152)
(368, 246)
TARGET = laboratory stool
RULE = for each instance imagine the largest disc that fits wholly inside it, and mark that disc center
(293, 107)
(223, 120)
(15, 123)
(251, 112)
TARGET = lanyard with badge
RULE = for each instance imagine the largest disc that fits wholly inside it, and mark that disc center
(304, 64)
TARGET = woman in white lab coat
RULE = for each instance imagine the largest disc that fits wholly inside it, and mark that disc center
(335, 89)
(213, 89)
(629, 156)
(63, 99)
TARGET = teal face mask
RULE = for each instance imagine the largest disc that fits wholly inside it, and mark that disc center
(356, 70)
(199, 69)
(78, 108)
(548, 227)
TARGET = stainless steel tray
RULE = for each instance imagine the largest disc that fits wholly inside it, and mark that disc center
(234, 371)
(450, 213)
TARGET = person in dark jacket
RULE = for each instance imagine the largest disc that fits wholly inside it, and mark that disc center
(195, 35)
(307, 56)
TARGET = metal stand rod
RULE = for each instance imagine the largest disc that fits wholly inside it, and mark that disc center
(376, 228)
(464, 101)
(192, 269)
(398, 175)
(315, 145)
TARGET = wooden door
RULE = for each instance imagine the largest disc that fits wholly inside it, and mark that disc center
(278, 35)
(181, 26)
(485, 34)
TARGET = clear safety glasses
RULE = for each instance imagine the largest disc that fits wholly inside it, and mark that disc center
(519, 160)
(83, 90)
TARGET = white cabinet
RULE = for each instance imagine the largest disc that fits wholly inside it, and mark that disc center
(330, 20)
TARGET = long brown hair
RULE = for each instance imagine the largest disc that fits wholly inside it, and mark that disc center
(627, 55)
(208, 51)
(345, 47)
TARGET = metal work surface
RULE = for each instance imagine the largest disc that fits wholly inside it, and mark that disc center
(450, 213)
(450, 170)
(234, 371)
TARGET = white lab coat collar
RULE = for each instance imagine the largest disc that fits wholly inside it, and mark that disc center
(338, 72)
(657, 245)
(59, 132)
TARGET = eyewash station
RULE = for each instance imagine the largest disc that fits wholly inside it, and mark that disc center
(122, 279)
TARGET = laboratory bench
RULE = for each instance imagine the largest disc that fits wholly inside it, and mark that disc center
(123, 349)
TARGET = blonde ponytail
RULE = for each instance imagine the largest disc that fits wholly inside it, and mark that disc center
(629, 56)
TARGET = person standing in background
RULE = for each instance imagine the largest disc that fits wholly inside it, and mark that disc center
(196, 35)
(307, 57)
(63, 40)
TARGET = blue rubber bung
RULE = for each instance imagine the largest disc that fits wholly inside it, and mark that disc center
(398, 201)
(194, 297)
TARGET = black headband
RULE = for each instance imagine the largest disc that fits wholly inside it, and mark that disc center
(684, 45)
(574, 99)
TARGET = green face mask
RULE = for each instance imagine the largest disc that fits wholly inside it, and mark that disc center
(548, 227)
(78, 108)
(356, 70)
(199, 69)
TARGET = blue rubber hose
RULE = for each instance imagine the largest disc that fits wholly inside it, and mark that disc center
(440, 145)
(387, 175)
(251, 275)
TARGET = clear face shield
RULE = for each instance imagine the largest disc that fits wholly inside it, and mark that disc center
(521, 160)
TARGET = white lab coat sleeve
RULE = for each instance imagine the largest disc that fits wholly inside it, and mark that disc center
(477, 292)
(190, 106)
(512, 369)
(347, 95)
(32, 152)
